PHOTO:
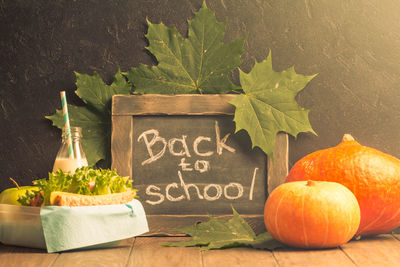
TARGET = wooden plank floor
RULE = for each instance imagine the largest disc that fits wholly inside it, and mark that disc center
(383, 250)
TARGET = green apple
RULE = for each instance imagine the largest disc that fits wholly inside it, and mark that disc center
(10, 195)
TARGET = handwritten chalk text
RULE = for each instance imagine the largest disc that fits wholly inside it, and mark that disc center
(152, 137)
(175, 192)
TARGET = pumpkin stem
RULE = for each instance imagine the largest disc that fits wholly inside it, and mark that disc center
(310, 183)
(347, 137)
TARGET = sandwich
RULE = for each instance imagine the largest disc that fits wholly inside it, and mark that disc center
(85, 187)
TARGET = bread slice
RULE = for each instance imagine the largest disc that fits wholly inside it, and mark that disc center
(73, 200)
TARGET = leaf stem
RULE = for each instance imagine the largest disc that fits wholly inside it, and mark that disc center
(12, 180)
(237, 91)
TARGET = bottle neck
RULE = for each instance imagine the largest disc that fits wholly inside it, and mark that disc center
(75, 133)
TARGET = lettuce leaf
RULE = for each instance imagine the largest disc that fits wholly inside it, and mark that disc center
(85, 181)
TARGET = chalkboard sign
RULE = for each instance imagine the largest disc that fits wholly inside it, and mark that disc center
(187, 162)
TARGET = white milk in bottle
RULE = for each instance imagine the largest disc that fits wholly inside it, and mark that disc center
(69, 159)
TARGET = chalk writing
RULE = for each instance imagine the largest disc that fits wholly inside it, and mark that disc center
(211, 192)
(182, 163)
(220, 145)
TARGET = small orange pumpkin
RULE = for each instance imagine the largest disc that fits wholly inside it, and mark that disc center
(309, 214)
(372, 176)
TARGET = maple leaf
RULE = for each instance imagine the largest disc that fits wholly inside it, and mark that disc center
(217, 233)
(95, 117)
(268, 104)
(200, 63)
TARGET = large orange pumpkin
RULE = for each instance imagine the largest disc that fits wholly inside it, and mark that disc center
(310, 214)
(372, 176)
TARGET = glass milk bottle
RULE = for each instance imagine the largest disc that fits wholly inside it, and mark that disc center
(66, 162)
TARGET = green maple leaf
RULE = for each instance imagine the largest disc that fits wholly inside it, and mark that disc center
(95, 117)
(200, 63)
(217, 233)
(268, 104)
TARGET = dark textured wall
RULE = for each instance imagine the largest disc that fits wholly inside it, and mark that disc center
(353, 45)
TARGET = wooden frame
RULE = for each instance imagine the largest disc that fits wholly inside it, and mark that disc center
(125, 107)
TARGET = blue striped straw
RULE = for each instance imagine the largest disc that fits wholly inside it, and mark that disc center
(67, 127)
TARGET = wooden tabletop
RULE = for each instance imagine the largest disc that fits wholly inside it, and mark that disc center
(383, 250)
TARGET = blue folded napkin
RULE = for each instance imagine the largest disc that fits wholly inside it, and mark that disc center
(67, 228)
